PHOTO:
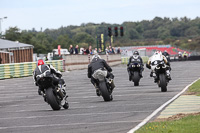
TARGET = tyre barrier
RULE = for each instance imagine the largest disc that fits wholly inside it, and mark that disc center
(16, 70)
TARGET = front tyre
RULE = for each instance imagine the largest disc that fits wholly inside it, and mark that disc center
(104, 91)
(136, 78)
(163, 82)
(52, 99)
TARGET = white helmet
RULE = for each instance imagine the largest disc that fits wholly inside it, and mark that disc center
(96, 56)
(158, 53)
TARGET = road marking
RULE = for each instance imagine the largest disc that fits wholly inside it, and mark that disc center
(159, 109)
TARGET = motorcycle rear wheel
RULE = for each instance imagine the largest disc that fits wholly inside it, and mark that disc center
(52, 100)
(104, 91)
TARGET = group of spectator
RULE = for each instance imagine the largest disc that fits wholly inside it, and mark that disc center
(89, 50)
(113, 50)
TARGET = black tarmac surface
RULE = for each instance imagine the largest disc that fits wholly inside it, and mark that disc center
(22, 110)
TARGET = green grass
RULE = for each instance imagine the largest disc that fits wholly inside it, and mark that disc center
(195, 88)
(189, 124)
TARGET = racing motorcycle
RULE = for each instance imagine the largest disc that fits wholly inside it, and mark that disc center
(179, 57)
(135, 68)
(106, 85)
(185, 57)
(54, 95)
(160, 71)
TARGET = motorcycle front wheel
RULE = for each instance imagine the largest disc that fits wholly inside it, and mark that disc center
(163, 82)
(136, 78)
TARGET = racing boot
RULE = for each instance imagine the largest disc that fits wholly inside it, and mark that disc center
(141, 74)
(97, 90)
(155, 77)
(40, 92)
(168, 75)
(112, 85)
(129, 74)
(151, 74)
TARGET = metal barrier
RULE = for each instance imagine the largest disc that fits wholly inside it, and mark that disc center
(125, 59)
(16, 70)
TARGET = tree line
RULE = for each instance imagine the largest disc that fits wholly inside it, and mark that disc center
(180, 32)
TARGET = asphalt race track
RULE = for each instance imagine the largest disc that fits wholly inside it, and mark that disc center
(22, 110)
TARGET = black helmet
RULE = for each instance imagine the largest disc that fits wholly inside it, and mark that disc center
(135, 53)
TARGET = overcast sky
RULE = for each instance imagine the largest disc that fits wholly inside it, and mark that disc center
(52, 14)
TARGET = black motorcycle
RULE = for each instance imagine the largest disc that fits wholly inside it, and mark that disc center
(135, 68)
(160, 71)
(185, 57)
(53, 95)
(179, 57)
(105, 85)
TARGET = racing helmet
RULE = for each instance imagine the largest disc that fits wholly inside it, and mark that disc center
(40, 62)
(96, 56)
(158, 53)
(135, 53)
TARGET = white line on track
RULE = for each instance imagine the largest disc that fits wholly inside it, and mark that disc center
(159, 109)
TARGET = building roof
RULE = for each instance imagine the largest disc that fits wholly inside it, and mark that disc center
(5, 44)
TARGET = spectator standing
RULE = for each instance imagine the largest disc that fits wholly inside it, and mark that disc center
(46, 58)
(99, 50)
(87, 51)
(118, 50)
(95, 51)
(76, 49)
(90, 49)
(71, 49)
(113, 50)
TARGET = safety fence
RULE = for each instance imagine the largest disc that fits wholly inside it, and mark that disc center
(125, 59)
(15, 70)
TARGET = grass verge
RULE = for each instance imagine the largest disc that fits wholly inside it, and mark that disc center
(188, 124)
(194, 88)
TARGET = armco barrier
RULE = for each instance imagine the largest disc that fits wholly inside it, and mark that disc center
(125, 59)
(15, 70)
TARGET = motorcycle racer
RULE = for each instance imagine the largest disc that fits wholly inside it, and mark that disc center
(157, 56)
(133, 58)
(98, 63)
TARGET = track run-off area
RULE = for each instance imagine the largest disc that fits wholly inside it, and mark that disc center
(22, 110)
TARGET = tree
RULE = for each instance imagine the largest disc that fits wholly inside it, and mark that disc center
(133, 34)
(41, 43)
(64, 41)
(84, 38)
(13, 34)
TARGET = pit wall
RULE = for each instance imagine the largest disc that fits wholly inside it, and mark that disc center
(16, 70)
(73, 62)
